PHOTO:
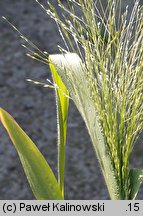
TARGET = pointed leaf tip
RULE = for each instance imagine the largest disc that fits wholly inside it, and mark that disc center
(39, 174)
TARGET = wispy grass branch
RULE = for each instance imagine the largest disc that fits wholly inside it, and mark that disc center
(109, 43)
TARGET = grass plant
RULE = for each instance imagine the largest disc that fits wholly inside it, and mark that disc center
(100, 67)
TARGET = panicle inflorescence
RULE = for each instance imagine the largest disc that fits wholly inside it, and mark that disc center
(109, 41)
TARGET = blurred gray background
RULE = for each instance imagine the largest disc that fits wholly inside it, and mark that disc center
(34, 109)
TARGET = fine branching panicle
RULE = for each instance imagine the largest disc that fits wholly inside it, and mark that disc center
(109, 41)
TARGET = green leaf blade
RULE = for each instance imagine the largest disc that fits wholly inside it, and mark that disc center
(40, 176)
(136, 179)
(62, 102)
(71, 70)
